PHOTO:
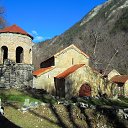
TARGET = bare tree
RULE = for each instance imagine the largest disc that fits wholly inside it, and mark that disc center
(116, 51)
(96, 37)
(2, 19)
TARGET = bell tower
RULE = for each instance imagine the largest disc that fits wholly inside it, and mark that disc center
(15, 57)
(15, 45)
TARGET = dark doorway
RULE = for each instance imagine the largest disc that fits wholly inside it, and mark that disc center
(60, 87)
(85, 90)
(4, 50)
(19, 55)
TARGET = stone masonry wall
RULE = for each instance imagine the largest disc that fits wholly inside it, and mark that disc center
(69, 58)
(15, 75)
(74, 81)
(46, 80)
(126, 88)
(12, 41)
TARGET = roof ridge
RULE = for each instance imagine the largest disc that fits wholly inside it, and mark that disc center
(38, 72)
(15, 29)
(69, 71)
(119, 78)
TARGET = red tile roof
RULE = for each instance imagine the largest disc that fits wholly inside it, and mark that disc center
(119, 78)
(15, 29)
(69, 71)
(41, 70)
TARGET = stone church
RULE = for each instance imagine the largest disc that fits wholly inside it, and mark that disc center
(15, 57)
(66, 72)
(63, 74)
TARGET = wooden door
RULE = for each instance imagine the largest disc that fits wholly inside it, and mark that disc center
(85, 90)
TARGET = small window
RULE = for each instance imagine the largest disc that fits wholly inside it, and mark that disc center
(72, 61)
(30, 50)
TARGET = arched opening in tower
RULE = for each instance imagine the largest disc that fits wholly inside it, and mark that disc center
(4, 51)
(19, 55)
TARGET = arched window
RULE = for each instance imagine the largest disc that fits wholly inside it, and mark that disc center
(4, 51)
(19, 54)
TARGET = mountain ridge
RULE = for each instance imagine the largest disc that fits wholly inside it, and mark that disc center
(103, 36)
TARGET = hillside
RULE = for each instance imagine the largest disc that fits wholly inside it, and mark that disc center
(103, 34)
(59, 113)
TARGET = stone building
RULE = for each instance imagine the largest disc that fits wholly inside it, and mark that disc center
(65, 72)
(69, 82)
(121, 85)
(15, 57)
(66, 58)
(44, 77)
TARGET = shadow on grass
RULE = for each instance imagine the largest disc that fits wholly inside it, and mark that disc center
(88, 121)
(111, 116)
(11, 105)
(108, 113)
(5, 123)
(43, 117)
(60, 121)
(70, 115)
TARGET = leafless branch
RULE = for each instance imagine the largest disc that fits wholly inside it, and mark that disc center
(110, 61)
(2, 20)
(96, 37)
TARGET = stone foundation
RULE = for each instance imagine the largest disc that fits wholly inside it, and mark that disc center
(15, 74)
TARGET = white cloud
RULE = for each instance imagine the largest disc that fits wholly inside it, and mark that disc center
(38, 38)
(34, 33)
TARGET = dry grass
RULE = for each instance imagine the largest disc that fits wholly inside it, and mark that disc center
(52, 115)
(45, 117)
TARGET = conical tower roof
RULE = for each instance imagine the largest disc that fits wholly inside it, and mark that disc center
(15, 29)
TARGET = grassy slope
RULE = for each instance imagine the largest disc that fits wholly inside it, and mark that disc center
(55, 116)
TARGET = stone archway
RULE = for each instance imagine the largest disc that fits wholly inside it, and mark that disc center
(19, 54)
(4, 51)
(85, 90)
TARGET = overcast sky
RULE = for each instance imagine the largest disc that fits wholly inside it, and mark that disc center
(46, 18)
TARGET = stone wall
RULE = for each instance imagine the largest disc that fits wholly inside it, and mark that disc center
(74, 81)
(69, 58)
(12, 41)
(46, 80)
(15, 75)
(112, 74)
(126, 88)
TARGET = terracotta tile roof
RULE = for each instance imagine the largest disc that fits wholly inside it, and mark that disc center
(15, 29)
(41, 70)
(69, 71)
(119, 78)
